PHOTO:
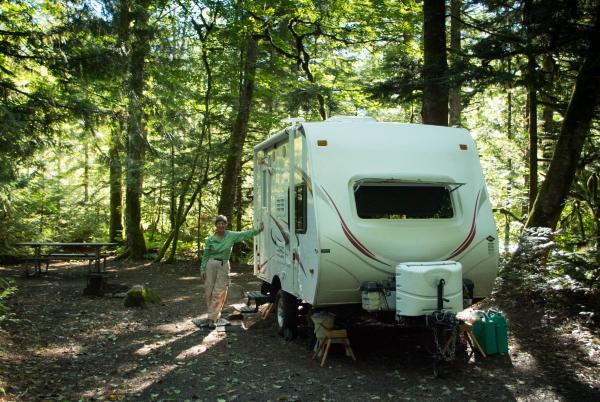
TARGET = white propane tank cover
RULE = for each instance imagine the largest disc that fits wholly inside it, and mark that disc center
(417, 283)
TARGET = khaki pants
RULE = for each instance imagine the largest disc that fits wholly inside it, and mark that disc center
(215, 287)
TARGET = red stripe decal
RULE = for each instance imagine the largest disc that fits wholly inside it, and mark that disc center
(355, 242)
(297, 258)
(286, 237)
(471, 235)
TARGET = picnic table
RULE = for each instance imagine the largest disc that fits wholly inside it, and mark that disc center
(55, 251)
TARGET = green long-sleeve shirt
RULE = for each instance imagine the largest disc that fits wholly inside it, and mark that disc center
(221, 249)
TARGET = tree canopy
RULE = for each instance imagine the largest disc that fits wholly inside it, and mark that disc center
(134, 120)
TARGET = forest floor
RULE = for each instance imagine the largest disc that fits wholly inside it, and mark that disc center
(62, 345)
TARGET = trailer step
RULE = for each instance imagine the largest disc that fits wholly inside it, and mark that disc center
(257, 298)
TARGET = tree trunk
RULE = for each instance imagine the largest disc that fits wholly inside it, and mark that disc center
(117, 135)
(533, 140)
(159, 211)
(509, 184)
(238, 247)
(180, 213)
(547, 141)
(435, 80)
(532, 85)
(136, 136)
(240, 129)
(198, 227)
(575, 127)
(455, 46)
(116, 194)
(181, 219)
(173, 189)
(86, 173)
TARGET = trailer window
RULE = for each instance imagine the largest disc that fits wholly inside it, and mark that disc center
(402, 201)
(300, 200)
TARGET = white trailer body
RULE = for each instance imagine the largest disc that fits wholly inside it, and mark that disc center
(347, 200)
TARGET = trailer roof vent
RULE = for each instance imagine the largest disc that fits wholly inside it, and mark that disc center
(353, 119)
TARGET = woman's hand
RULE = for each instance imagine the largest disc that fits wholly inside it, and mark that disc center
(261, 227)
(203, 276)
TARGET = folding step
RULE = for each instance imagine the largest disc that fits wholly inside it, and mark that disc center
(256, 297)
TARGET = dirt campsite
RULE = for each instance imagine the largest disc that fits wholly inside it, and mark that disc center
(60, 345)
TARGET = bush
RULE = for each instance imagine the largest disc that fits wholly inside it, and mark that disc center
(7, 288)
(580, 268)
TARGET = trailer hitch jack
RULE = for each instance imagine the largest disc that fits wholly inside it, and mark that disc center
(440, 295)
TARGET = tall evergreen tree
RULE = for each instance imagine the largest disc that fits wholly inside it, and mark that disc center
(435, 66)
(140, 36)
(573, 133)
(233, 162)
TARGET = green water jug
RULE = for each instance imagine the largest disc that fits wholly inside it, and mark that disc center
(485, 333)
(501, 330)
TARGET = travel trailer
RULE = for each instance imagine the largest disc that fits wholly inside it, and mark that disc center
(382, 216)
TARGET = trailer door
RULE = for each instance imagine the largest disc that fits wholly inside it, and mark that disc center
(263, 212)
(298, 205)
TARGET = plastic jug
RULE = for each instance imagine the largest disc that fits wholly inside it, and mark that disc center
(485, 332)
(501, 331)
(323, 321)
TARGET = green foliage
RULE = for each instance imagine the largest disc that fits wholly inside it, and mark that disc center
(7, 288)
(579, 269)
(63, 88)
(25, 103)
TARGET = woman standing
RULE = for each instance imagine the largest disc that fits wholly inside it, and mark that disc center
(214, 268)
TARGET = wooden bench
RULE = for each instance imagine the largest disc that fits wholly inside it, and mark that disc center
(49, 257)
(46, 252)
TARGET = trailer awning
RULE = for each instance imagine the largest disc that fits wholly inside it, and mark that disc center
(402, 199)
(399, 182)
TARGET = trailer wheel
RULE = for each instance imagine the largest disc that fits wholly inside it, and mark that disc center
(286, 313)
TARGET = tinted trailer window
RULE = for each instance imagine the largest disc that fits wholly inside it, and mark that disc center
(402, 201)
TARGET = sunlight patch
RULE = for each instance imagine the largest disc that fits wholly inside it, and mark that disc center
(145, 378)
(208, 342)
(189, 278)
(194, 351)
(135, 267)
(175, 327)
(182, 298)
(179, 330)
(60, 351)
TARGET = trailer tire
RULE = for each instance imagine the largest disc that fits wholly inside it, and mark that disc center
(286, 314)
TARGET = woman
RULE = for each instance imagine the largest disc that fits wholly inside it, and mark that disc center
(214, 268)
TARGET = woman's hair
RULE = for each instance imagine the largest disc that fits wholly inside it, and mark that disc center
(220, 218)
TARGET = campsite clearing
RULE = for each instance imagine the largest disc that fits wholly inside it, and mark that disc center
(66, 346)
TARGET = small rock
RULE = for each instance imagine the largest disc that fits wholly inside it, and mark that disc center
(139, 296)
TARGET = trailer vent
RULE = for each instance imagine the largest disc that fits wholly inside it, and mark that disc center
(402, 201)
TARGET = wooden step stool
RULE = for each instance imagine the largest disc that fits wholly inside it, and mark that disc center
(465, 329)
(332, 336)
